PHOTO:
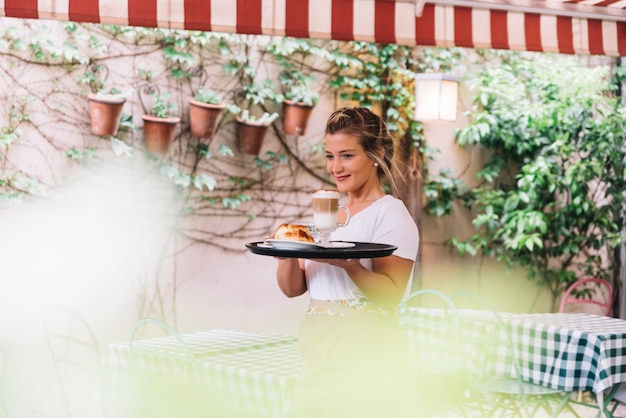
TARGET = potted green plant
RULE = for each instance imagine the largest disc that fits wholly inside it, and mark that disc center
(297, 108)
(255, 98)
(160, 124)
(105, 105)
(251, 130)
(299, 98)
(205, 109)
(105, 110)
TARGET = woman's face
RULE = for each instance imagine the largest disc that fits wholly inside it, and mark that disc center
(347, 162)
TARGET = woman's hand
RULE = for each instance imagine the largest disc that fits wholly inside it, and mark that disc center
(290, 276)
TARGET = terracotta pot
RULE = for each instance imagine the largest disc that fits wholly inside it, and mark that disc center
(295, 117)
(203, 118)
(159, 133)
(105, 114)
(250, 137)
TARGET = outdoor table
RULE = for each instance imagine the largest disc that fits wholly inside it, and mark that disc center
(570, 351)
(243, 374)
(565, 351)
(253, 374)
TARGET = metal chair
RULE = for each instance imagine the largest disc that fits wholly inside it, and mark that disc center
(76, 354)
(502, 395)
(586, 292)
(432, 336)
(165, 327)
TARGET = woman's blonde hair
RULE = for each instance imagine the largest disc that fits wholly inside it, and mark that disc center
(373, 135)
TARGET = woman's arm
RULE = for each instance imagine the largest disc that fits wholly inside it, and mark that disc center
(384, 285)
(290, 276)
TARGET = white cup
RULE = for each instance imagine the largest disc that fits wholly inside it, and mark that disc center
(325, 213)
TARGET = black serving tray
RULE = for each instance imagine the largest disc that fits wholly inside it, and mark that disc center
(360, 250)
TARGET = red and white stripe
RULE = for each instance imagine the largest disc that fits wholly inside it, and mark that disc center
(482, 28)
(381, 21)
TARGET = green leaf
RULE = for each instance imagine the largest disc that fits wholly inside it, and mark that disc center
(224, 149)
(72, 54)
(203, 180)
(121, 148)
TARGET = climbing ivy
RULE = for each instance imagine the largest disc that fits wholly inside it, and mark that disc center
(551, 194)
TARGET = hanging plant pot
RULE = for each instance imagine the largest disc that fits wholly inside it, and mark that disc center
(105, 114)
(159, 133)
(203, 118)
(295, 117)
(250, 136)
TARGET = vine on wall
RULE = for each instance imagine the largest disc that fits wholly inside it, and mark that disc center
(550, 196)
(251, 73)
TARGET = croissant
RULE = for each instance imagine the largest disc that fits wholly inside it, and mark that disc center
(294, 232)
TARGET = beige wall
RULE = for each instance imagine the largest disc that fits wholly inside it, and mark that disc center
(447, 271)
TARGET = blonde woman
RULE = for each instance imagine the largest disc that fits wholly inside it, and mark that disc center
(355, 364)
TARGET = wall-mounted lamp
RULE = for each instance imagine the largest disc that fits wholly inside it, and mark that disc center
(436, 97)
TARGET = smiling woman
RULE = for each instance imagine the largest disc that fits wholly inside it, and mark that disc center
(354, 360)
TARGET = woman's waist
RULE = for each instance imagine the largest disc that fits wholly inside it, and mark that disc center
(347, 307)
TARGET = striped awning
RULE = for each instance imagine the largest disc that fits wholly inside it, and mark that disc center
(568, 26)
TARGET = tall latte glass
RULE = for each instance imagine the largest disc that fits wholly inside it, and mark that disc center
(325, 210)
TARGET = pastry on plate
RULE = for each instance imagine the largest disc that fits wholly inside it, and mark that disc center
(294, 232)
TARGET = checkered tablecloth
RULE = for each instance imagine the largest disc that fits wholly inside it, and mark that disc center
(249, 374)
(570, 351)
(209, 343)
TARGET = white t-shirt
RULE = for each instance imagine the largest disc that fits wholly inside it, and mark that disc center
(386, 221)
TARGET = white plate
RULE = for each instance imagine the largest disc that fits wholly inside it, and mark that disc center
(286, 244)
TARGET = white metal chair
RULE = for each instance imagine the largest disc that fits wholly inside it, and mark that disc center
(76, 354)
(433, 335)
(165, 327)
(597, 294)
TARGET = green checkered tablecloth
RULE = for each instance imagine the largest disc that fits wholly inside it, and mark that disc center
(253, 375)
(208, 343)
(570, 351)
(565, 351)
(249, 374)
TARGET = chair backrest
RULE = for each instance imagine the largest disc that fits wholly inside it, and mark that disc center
(153, 321)
(163, 385)
(487, 334)
(76, 355)
(188, 358)
(595, 293)
(483, 333)
(429, 322)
